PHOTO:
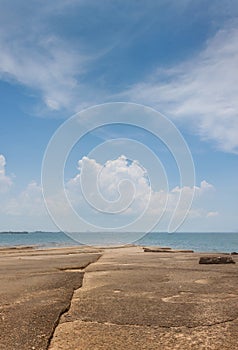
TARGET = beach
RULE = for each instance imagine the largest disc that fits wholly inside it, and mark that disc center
(116, 298)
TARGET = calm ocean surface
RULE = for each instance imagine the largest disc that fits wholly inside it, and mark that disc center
(204, 242)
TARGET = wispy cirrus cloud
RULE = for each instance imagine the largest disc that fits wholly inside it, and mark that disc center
(51, 49)
(50, 67)
(202, 91)
(71, 63)
(37, 56)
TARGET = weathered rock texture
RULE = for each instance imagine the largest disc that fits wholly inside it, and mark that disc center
(137, 301)
(216, 260)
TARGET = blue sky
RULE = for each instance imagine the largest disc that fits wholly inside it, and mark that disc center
(180, 58)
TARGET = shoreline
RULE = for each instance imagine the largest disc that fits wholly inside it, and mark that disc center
(83, 247)
(114, 297)
(199, 242)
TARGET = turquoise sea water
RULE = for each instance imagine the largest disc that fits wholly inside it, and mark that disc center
(200, 242)
(40, 239)
(204, 242)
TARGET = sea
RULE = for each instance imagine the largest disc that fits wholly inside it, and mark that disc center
(226, 242)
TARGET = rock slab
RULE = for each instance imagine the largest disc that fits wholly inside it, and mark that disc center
(216, 260)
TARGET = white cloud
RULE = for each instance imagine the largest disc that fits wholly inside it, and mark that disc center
(199, 190)
(115, 186)
(49, 67)
(49, 49)
(5, 181)
(28, 203)
(202, 91)
(211, 214)
(25, 211)
(123, 187)
(35, 53)
(118, 187)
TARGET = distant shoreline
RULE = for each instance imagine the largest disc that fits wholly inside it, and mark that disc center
(117, 232)
(216, 242)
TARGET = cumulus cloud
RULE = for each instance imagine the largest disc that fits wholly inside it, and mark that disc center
(202, 91)
(5, 181)
(117, 186)
(122, 186)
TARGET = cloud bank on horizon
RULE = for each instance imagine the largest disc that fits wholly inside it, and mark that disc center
(124, 190)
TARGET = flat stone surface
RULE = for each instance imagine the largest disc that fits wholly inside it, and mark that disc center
(36, 286)
(166, 250)
(136, 300)
(216, 260)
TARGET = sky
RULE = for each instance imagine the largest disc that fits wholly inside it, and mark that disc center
(59, 59)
